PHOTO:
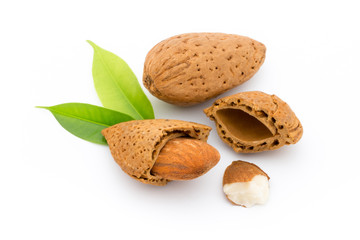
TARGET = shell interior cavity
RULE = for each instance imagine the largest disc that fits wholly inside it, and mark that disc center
(255, 121)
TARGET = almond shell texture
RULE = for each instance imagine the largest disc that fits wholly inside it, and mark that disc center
(191, 68)
(135, 145)
(273, 114)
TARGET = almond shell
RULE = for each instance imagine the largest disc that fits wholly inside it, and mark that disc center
(191, 68)
(274, 114)
(135, 145)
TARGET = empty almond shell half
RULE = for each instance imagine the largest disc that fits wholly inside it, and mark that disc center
(135, 145)
(254, 122)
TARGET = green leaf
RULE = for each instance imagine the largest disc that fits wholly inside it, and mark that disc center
(117, 86)
(86, 121)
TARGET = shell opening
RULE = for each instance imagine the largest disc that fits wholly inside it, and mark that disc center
(242, 125)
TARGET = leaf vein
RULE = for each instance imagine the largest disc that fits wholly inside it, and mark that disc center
(77, 117)
(116, 83)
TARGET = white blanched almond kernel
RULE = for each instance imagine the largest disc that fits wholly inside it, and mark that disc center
(245, 184)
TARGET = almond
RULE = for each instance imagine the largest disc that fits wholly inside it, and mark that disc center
(135, 145)
(185, 159)
(245, 184)
(191, 68)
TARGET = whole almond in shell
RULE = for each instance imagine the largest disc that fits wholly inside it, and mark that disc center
(191, 68)
(185, 159)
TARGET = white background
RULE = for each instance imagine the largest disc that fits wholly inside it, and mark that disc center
(56, 186)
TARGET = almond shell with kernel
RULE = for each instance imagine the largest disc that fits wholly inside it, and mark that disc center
(135, 145)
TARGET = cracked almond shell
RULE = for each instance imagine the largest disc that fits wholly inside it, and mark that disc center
(254, 122)
(191, 68)
(135, 145)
